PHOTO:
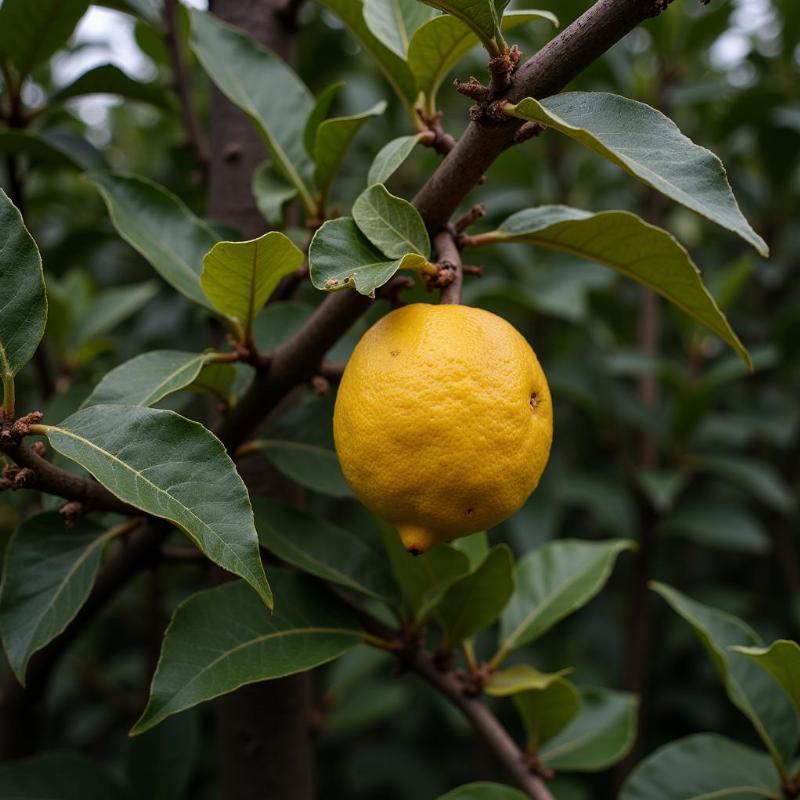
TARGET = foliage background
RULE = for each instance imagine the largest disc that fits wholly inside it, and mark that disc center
(669, 439)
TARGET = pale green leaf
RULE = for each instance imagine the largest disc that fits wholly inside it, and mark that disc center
(703, 767)
(391, 157)
(749, 688)
(553, 581)
(23, 303)
(173, 468)
(781, 660)
(160, 226)
(317, 546)
(332, 140)
(629, 245)
(521, 678)
(271, 192)
(393, 22)
(390, 223)
(224, 638)
(649, 146)
(239, 277)
(48, 573)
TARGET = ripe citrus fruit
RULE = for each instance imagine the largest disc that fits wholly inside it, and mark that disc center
(443, 421)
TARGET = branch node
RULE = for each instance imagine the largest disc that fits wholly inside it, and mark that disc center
(320, 385)
(529, 130)
(501, 69)
(469, 218)
(473, 89)
(71, 511)
(434, 135)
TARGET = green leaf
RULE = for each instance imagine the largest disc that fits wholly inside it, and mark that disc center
(351, 12)
(443, 41)
(48, 573)
(629, 245)
(148, 378)
(58, 775)
(781, 660)
(484, 791)
(547, 711)
(390, 223)
(601, 734)
(264, 87)
(475, 546)
(481, 16)
(172, 468)
(341, 256)
(31, 32)
(150, 10)
(110, 79)
(423, 579)
(272, 192)
(553, 581)
(161, 228)
(521, 678)
(314, 545)
(311, 465)
(24, 305)
(649, 146)
(332, 140)
(717, 524)
(239, 277)
(749, 688)
(703, 767)
(476, 600)
(322, 106)
(57, 148)
(391, 157)
(224, 638)
(758, 478)
(393, 22)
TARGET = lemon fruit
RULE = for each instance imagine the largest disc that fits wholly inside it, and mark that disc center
(443, 421)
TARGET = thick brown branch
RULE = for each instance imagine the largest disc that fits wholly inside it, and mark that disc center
(546, 73)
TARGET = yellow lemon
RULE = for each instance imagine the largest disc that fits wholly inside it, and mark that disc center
(443, 421)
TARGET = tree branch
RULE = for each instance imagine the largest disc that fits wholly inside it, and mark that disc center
(449, 257)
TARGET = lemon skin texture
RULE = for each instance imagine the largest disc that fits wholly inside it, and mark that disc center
(443, 421)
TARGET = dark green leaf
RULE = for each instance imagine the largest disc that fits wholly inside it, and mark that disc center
(172, 468)
(600, 735)
(476, 600)
(31, 32)
(649, 146)
(321, 548)
(159, 225)
(24, 304)
(718, 524)
(390, 223)
(703, 767)
(224, 638)
(749, 688)
(554, 581)
(628, 244)
(56, 148)
(481, 16)
(110, 79)
(48, 573)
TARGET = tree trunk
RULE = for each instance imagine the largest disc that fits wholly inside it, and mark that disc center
(263, 729)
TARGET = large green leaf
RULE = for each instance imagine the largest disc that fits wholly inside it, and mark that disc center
(650, 147)
(341, 256)
(224, 638)
(23, 309)
(172, 468)
(627, 244)
(159, 225)
(264, 87)
(391, 223)
(48, 574)
(58, 775)
(31, 32)
(703, 767)
(239, 277)
(484, 791)
(331, 141)
(601, 734)
(553, 581)
(443, 41)
(148, 378)
(53, 148)
(110, 79)
(481, 16)
(351, 12)
(474, 601)
(749, 688)
(781, 660)
(317, 546)
(390, 157)
(394, 22)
